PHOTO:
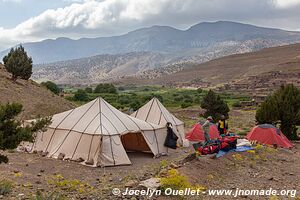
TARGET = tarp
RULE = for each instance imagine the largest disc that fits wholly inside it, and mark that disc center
(154, 112)
(197, 133)
(99, 134)
(222, 153)
(270, 135)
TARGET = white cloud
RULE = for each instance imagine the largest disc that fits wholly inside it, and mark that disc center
(88, 18)
(286, 3)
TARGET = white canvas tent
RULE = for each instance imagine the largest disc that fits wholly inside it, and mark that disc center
(99, 134)
(154, 112)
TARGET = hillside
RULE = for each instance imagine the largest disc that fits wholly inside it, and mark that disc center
(100, 68)
(201, 41)
(262, 69)
(36, 100)
(113, 67)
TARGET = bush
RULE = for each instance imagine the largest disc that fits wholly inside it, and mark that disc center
(105, 88)
(81, 95)
(190, 101)
(186, 105)
(175, 181)
(199, 90)
(121, 88)
(89, 90)
(135, 105)
(52, 87)
(11, 131)
(178, 99)
(18, 63)
(124, 100)
(215, 106)
(237, 104)
(5, 187)
(282, 106)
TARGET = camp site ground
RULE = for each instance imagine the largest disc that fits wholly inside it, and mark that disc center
(261, 168)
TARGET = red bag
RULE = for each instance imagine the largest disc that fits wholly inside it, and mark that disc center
(209, 149)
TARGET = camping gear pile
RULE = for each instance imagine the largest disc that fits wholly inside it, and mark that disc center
(265, 134)
(225, 143)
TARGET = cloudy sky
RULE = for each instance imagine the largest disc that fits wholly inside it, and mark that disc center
(33, 20)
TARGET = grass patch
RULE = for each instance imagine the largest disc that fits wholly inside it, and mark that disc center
(73, 185)
(6, 187)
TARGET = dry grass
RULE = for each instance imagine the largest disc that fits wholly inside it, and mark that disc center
(35, 98)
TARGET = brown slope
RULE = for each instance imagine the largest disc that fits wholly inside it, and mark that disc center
(36, 100)
(232, 68)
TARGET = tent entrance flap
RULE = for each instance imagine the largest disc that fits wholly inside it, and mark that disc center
(135, 142)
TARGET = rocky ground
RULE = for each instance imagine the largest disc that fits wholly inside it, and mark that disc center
(263, 168)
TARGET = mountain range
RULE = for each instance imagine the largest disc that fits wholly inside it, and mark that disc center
(90, 60)
(157, 39)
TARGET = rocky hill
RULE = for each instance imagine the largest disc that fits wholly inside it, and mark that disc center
(198, 42)
(36, 100)
(264, 69)
(113, 67)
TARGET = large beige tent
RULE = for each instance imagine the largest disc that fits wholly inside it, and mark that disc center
(154, 112)
(99, 135)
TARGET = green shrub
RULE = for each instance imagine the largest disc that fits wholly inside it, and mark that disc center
(135, 105)
(237, 104)
(5, 187)
(81, 95)
(51, 86)
(12, 133)
(178, 98)
(282, 106)
(186, 105)
(121, 88)
(105, 88)
(89, 90)
(188, 101)
(199, 90)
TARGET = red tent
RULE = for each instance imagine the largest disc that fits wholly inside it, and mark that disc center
(197, 133)
(269, 134)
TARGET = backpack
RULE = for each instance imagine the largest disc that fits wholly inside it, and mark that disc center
(209, 149)
(228, 142)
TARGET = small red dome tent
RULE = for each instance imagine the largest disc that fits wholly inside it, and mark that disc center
(269, 134)
(197, 133)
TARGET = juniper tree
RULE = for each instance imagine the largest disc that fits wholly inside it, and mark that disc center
(11, 131)
(215, 106)
(282, 106)
(18, 63)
